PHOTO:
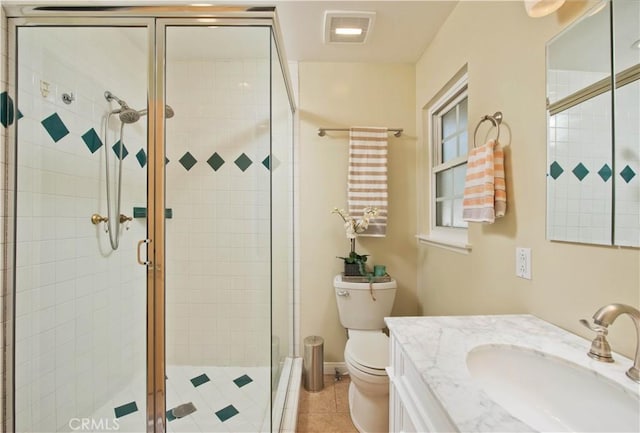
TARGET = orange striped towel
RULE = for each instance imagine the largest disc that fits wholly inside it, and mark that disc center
(367, 179)
(485, 194)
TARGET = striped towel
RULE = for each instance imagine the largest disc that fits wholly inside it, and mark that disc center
(485, 194)
(367, 180)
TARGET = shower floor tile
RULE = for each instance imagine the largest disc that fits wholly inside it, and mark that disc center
(220, 395)
(221, 405)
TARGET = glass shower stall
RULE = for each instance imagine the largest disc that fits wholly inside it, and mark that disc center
(152, 154)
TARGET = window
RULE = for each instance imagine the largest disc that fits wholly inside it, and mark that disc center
(450, 147)
(448, 142)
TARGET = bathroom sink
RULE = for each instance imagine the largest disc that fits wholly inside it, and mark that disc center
(552, 394)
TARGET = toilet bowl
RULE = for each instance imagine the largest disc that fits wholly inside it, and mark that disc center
(366, 356)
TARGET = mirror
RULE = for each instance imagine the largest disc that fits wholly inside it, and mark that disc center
(593, 146)
(626, 49)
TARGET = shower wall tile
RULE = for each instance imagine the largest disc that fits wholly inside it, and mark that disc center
(580, 199)
(218, 241)
(80, 309)
(580, 140)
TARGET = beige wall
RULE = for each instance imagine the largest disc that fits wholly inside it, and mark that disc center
(505, 54)
(343, 95)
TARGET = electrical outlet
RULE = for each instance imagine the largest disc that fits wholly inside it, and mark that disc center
(523, 263)
(44, 88)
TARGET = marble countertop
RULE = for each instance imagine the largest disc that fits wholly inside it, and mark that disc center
(438, 348)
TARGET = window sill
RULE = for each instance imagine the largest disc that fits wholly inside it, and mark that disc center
(445, 242)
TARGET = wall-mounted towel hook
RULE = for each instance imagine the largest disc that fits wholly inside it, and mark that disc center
(495, 119)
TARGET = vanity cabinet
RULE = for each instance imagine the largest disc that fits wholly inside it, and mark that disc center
(441, 379)
(412, 405)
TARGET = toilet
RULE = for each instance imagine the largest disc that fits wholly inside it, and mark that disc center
(367, 351)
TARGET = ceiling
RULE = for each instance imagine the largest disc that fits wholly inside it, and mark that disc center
(401, 32)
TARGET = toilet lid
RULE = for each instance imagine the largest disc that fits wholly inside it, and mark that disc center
(369, 349)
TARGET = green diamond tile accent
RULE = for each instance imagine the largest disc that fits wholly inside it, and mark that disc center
(199, 380)
(555, 170)
(116, 150)
(92, 140)
(627, 174)
(166, 160)
(170, 415)
(139, 212)
(271, 162)
(215, 161)
(242, 381)
(126, 409)
(55, 127)
(141, 156)
(6, 109)
(605, 172)
(19, 116)
(227, 412)
(243, 162)
(580, 171)
(187, 161)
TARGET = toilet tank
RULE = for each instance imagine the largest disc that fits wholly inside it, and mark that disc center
(356, 305)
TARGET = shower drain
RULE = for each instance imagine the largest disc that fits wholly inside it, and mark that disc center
(183, 410)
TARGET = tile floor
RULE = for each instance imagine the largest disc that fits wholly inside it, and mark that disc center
(227, 399)
(326, 411)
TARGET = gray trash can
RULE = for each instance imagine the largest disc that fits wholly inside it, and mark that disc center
(313, 363)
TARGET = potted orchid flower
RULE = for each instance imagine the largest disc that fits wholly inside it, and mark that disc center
(354, 263)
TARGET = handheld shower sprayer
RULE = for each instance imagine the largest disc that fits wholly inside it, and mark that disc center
(127, 115)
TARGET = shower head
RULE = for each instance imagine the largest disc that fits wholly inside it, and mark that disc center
(128, 115)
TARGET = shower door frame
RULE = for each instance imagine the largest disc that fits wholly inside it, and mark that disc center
(161, 25)
(155, 19)
(152, 151)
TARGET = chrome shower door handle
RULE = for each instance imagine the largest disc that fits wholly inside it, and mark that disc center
(140, 243)
(342, 293)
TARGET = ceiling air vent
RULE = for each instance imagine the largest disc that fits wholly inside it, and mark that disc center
(346, 27)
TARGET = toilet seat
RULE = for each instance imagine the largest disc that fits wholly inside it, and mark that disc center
(368, 351)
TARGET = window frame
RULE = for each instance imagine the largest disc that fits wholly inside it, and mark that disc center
(452, 238)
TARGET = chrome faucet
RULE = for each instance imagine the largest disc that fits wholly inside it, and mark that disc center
(600, 349)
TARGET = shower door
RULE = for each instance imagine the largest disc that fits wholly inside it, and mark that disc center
(218, 249)
(81, 202)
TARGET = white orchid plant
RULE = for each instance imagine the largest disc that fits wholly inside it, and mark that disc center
(353, 227)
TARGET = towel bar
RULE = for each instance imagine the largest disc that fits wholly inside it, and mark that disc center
(495, 119)
(397, 132)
